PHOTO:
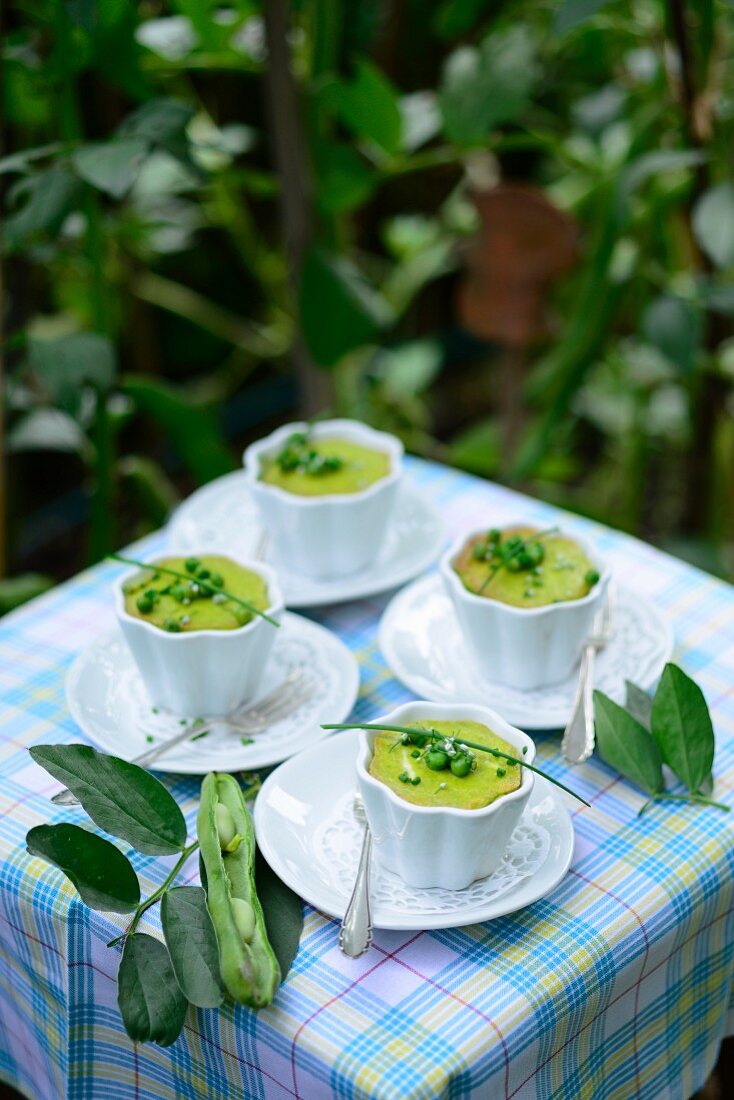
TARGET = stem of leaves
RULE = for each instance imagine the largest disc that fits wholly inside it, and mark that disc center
(698, 798)
(156, 895)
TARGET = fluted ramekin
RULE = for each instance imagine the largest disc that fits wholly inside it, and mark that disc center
(441, 846)
(203, 672)
(333, 535)
(524, 647)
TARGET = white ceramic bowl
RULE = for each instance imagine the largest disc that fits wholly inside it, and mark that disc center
(336, 534)
(441, 846)
(204, 672)
(526, 648)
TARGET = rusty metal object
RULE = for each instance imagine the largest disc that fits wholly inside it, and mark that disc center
(524, 244)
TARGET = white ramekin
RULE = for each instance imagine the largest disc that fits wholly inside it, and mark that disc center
(526, 648)
(332, 535)
(205, 672)
(441, 846)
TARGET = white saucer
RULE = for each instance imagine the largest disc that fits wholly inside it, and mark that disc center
(223, 516)
(422, 643)
(307, 831)
(108, 701)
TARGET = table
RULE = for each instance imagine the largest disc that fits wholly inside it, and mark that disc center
(616, 985)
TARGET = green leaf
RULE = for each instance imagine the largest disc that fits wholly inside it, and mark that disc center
(339, 310)
(345, 180)
(159, 120)
(102, 875)
(681, 726)
(407, 370)
(639, 704)
(152, 1006)
(192, 430)
(659, 160)
(282, 911)
(19, 162)
(121, 798)
(163, 122)
(368, 105)
(571, 13)
(112, 166)
(675, 327)
(192, 945)
(82, 13)
(153, 492)
(15, 591)
(478, 448)
(482, 87)
(421, 119)
(626, 745)
(49, 197)
(713, 224)
(68, 363)
(457, 17)
(45, 429)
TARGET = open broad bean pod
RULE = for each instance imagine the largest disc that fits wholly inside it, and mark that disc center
(249, 968)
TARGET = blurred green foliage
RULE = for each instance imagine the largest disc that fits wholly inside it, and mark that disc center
(154, 278)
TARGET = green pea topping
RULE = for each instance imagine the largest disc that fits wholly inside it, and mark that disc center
(415, 753)
(178, 592)
(192, 564)
(216, 579)
(437, 760)
(173, 626)
(415, 780)
(204, 574)
(461, 765)
(144, 604)
(591, 577)
(500, 773)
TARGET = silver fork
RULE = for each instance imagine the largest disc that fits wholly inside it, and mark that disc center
(355, 934)
(277, 704)
(578, 736)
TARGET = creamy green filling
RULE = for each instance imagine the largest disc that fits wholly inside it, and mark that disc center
(322, 467)
(181, 604)
(407, 770)
(525, 567)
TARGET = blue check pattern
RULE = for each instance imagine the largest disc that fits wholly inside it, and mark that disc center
(616, 985)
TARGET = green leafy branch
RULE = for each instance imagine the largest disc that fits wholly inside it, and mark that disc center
(673, 728)
(156, 980)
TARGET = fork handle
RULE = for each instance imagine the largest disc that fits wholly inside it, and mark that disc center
(150, 755)
(355, 934)
(578, 738)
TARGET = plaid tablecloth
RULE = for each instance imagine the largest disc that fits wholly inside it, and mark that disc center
(616, 985)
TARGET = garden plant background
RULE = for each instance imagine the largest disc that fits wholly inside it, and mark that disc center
(503, 230)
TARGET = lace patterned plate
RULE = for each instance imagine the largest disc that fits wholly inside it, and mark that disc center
(107, 699)
(421, 641)
(223, 516)
(307, 831)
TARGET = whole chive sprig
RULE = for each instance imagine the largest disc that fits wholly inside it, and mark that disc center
(522, 546)
(436, 737)
(213, 588)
